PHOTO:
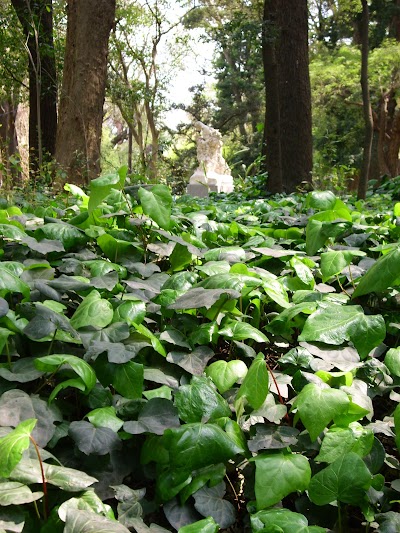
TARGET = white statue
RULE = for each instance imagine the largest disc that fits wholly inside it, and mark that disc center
(213, 173)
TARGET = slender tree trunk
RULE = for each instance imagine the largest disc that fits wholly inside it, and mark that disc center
(8, 138)
(83, 89)
(367, 110)
(271, 142)
(36, 18)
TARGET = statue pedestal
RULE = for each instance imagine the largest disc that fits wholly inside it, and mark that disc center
(200, 185)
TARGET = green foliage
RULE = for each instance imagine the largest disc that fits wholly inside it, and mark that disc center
(195, 348)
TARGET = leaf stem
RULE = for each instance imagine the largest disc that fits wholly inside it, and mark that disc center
(277, 388)
(52, 342)
(44, 483)
(8, 355)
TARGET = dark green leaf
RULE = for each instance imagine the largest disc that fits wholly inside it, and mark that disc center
(345, 480)
(381, 275)
(209, 501)
(93, 440)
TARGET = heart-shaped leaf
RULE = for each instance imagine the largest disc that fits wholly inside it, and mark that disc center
(157, 204)
(317, 407)
(278, 475)
(13, 445)
(225, 374)
(346, 480)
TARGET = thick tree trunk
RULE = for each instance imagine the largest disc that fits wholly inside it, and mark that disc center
(36, 18)
(287, 79)
(295, 93)
(367, 110)
(271, 143)
(83, 88)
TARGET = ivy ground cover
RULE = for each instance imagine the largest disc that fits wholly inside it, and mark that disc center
(173, 364)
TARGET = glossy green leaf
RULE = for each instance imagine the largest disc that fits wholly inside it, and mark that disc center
(128, 379)
(255, 384)
(28, 471)
(334, 324)
(207, 525)
(199, 401)
(13, 445)
(93, 311)
(194, 446)
(339, 441)
(239, 331)
(155, 342)
(321, 200)
(226, 374)
(345, 480)
(68, 235)
(157, 204)
(381, 275)
(10, 282)
(78, 521)
(282, 521)
(14, 493)
(51, 363)
(317, 407)
(278, 475)
(392, 361)
(332, 263)
(105, 417)
(102, 186)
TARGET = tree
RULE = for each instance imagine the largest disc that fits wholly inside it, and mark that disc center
(83, 88)
(138, 76)
(287, 135)
(36, 18)
(367, 109)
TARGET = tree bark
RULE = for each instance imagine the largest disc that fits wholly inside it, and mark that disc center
(36, 18)
(288, 130)
(271, 144)
(83, 89)
(367, 110)
(8, 138)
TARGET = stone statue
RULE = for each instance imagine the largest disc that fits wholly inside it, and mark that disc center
(213, 173)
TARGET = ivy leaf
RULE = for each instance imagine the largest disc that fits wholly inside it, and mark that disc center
(239, 331)
(157, 204)
(93, 311)
(14, 493)
(208, 525)
(317, 407)
(226, 374)
(68, 235)
(392, 361)
(346, 480)
(13, 445)
(278, 475)
(101, 187)
(157, 415)
(194, 446)
(200, 297)
(93, 440)
(50, 363)
(78, 521)
(381, 275)
(336, 324)
(255, 384)
(128, 379)
(199, 401)
(282, 520)
(193, 362)
(209, 501)
(10, 282)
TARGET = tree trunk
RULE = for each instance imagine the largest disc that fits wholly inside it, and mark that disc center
(84, 80)
(8, 138)
(288, 131)
(271, 142)
(36, 18)
(367, 110)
